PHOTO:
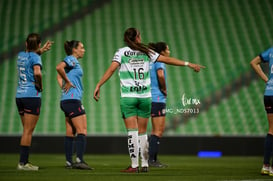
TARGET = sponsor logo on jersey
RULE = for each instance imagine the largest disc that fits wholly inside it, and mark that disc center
(132, 53)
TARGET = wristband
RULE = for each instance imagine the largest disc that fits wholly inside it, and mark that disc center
(186, 63)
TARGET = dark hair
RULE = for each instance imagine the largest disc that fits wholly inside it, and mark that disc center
(130, 39)
(69, 45)
(33, 40)
(158, 47)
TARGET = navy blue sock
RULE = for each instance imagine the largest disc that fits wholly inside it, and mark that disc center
(68, 146)
(24, 153)
(153, 147)
(268, 146)
(81, 144)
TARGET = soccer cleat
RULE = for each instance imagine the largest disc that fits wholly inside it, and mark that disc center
(68, 165)
(27, 167)
(157, 164)
(144, 169)
(265, 170)
(270, 171)
(130, 170)
(82, 166)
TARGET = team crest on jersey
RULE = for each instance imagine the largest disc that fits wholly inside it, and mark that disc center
(71, 62)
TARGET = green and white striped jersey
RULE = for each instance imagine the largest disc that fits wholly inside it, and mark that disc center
(134, 72)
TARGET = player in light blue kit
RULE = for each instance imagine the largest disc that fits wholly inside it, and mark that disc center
(70, 80)
(28, 94)
(159, 93)
(266, 57)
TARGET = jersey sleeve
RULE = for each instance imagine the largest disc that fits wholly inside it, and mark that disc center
(153, 56)
(159, 65)
(117, 56)
(69, 62)
(265, 55)
(36, 60)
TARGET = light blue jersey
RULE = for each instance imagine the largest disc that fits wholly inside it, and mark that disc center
(157, 95)
(74, 73)
(267, 56)
(25, 63)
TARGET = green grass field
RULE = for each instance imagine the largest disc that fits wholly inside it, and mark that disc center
(107, 168)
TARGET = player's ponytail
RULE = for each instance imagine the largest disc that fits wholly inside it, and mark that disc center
(69, 45)
(130, 36)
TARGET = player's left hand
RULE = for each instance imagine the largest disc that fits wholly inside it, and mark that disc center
(46, 47)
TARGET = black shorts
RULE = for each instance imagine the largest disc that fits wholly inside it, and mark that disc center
(268, 104)
(158, 109)
(30, 105)
(72, 108)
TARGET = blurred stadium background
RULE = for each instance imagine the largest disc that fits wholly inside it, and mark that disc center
(223, 35)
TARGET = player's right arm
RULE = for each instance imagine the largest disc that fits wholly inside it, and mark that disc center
(59, 80)
(109, 72)
(61, 71)
(255, 64)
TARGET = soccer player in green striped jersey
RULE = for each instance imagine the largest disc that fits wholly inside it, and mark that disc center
(135, 92)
